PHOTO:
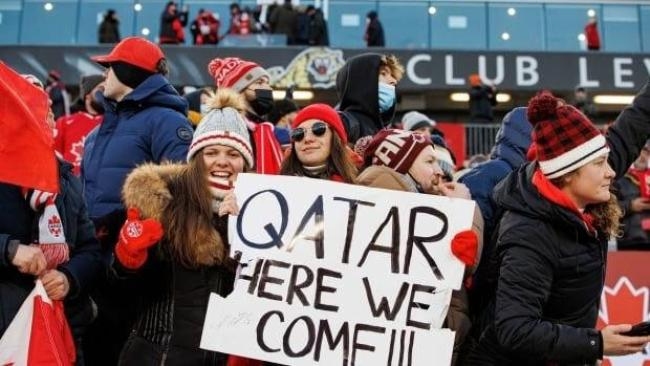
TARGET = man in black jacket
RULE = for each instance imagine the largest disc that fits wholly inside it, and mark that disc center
(366, 89)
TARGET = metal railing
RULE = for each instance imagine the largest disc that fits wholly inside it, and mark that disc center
(479, 138)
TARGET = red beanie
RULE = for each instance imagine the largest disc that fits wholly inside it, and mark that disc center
(235, 73)
(325, 113)
(565, 139)
(396, 149)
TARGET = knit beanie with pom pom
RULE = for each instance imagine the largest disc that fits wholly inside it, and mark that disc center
(235, 73)
(565, 139)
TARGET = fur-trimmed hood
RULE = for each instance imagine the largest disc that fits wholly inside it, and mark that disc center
(146, 188)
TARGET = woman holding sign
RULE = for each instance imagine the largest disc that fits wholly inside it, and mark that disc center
(405, 161)
(318, 146)
(550, 256)
(174, 240)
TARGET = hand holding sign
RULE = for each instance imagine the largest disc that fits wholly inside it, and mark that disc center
(337, 274)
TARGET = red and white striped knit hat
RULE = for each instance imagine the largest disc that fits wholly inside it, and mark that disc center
(226, 127)
(564, 137)
(235, 73)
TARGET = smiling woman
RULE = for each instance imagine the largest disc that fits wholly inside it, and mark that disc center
(175, 241)
(548, 267)
(319, 146)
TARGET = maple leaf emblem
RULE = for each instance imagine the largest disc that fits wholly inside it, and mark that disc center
(77, 150)
(624, 304)
(54, 226)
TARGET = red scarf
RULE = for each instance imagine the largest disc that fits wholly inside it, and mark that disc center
(556, 196)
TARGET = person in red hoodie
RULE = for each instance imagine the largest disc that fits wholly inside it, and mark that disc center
(71, 131)
(592, 35)
(253, 82)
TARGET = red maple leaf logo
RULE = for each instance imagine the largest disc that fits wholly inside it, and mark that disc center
(54, 225)
(624, 304)
(77, 150)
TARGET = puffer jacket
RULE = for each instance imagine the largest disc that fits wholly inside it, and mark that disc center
(548, 269)
(148, 125)
(509, 153)
(171, 299)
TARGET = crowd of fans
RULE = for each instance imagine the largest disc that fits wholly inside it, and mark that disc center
(147, 188)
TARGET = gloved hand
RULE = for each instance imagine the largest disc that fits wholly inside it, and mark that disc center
(464, 245)
(136, 237)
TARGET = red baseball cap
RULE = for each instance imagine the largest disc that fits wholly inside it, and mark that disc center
(136, 51)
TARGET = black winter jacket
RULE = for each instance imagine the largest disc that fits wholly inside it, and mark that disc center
(171, 310)
(18, 221)
(170, 299)
(481, 100)
(548, 269)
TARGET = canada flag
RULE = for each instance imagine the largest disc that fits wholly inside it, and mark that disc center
(39, 334)
(624, 304)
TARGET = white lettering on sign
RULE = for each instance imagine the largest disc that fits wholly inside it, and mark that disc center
(449, 72)
(527, 74)
(410, 69)
(620, 72)
(584, 77)
(482, 70)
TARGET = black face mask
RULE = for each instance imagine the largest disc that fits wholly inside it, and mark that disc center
(95, 103)
(97, 106)
(263, 102)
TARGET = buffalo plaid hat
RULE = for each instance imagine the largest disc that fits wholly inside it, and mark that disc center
(396, 149)
(564, 137)
(235, 73)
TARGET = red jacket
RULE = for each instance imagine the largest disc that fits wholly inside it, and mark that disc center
(593, 38)
(70, 135)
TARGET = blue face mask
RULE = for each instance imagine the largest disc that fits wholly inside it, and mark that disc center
(205, 109)
(386, 97)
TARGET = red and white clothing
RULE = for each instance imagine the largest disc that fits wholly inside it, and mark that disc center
(70, 136)
(268, 153)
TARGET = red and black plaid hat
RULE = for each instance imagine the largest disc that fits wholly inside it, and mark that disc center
(396, 149)
(564, 137)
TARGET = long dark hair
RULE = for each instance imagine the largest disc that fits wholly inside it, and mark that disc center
(192, 238)
(338, 163)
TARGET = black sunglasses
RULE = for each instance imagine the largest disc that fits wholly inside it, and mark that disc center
(318, 129)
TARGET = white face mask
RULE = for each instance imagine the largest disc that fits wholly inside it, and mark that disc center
(204, 109)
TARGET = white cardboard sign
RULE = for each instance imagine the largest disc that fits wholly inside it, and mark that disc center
(337, 274)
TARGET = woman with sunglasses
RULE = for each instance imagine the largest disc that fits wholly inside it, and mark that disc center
(319, 146)
(174, 247)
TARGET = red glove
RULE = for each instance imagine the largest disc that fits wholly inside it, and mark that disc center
(464, 245)
(136, 237)
(234, 360)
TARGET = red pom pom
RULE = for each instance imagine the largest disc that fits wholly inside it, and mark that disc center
(542, 107)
